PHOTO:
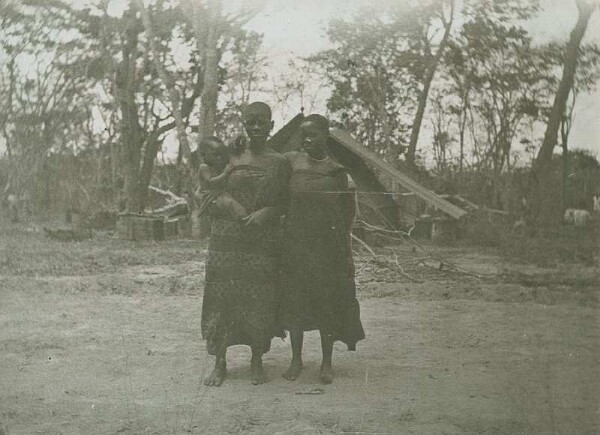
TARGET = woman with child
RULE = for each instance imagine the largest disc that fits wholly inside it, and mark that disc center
(240, 292)
(258, 283)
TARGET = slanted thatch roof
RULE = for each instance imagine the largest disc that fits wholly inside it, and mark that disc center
(433, 199)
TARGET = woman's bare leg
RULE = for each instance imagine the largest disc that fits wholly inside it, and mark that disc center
(296, 337)
(326, 375)
(216, 378)
(257, 373)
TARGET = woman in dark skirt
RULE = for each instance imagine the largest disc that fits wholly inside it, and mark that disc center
(240, 292)
(317, 271)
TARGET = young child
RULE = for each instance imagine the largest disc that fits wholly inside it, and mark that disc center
(213, 173)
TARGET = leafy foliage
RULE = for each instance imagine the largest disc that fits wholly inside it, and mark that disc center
(84, 80)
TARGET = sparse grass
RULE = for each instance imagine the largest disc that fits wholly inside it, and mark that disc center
(584, 278)
(563, 245)
(28, 253)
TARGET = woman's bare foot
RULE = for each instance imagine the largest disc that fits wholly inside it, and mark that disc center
(326, 375)
(216, 378)
(294, 370)
(257, 373)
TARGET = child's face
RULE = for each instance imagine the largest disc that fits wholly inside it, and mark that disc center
(211, 155)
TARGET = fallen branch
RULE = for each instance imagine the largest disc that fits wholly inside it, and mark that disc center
(169, 194)
(384, 262)
(402, 272)
(365, 264)
(367, 226)
(364, 245)
(443, 264)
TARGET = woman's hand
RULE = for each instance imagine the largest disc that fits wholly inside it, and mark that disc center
(228, 169)
(259, 217)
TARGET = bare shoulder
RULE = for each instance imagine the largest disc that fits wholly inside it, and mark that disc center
(278, 159)
(275, 156)
(293, 156)
(335, 166)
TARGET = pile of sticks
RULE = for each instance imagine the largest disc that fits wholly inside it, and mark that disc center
(387, 257)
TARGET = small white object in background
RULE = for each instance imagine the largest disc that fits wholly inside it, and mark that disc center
(576, 217)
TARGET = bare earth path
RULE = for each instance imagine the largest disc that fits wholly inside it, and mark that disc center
(103, 337)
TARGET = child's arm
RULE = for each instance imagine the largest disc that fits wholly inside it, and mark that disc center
(211, 182)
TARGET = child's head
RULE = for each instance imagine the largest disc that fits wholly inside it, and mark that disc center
(214, 153)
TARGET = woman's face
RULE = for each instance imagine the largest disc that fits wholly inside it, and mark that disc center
(314, 139)
(257, 126)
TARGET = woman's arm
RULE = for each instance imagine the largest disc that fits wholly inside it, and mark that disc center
(283, 181)
(348, 199)
(277, 197)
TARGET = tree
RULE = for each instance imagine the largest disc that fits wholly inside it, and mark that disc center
(431, 12)
(498, 78)
(154, 93)
(173, 95)
(300, 88)
(586, 77)
(111, 59)
(372, 73)
(45, 102)
(242, 74)
(208, 106)
(442, 138)
(384, 66)
(544, 205)
(498, 87)
(121, 77)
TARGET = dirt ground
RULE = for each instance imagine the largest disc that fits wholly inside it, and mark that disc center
(103, 336)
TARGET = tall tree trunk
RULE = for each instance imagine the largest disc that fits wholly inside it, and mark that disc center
(114, 165)
(174, 96)
(152, 146)
(545, 208)
(423, 97)
(565, 165)
(116, 147)
(179, 178)
(9, 104)
(208, 106)
(463, 125)
(565, 129)
(131, 135)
